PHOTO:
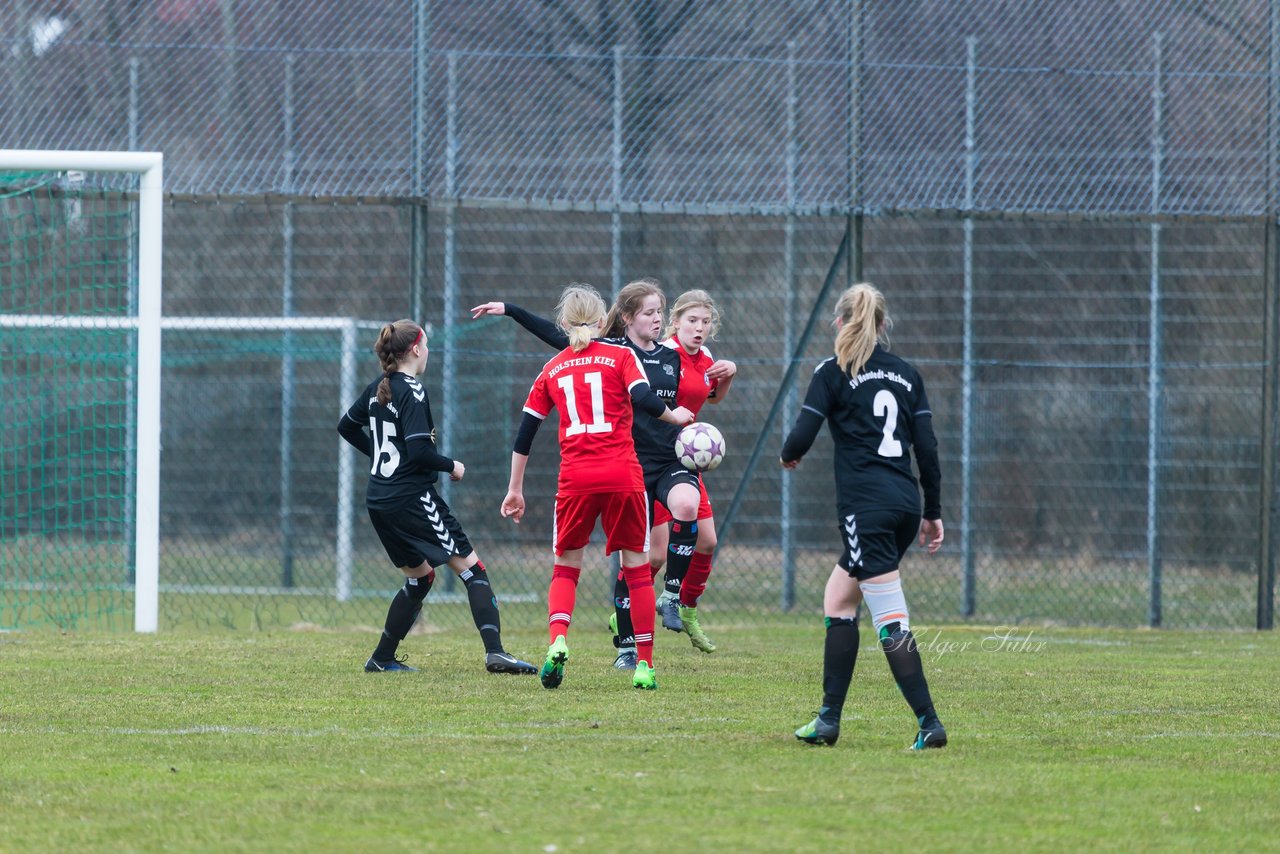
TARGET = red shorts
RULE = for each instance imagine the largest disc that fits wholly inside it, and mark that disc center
(661, 516)
(623, 515)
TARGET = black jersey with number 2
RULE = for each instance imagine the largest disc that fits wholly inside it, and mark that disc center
(404, 460)
(875, 417)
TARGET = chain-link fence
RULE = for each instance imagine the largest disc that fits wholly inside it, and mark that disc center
(1071, 213)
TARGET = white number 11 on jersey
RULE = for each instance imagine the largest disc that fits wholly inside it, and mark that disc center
(595, 382)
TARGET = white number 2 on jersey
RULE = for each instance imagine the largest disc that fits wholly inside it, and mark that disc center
(595, 382)
(885, 404)
(384, 445)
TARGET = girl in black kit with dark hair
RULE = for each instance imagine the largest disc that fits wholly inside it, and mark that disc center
(416, 527)
(876, 406)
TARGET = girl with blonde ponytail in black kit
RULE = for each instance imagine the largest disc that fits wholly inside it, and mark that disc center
(390, 422)
(878, 412)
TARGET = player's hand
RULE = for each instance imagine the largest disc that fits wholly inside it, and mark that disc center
(722, 369)
(513, 507)
(488, 308)
(683, 416)
(789, 464)
(458, 470)
(931, 534)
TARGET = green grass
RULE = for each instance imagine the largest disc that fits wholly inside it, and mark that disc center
(1069, 739)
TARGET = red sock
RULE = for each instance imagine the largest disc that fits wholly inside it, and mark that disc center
(560, 599)
(640, 586)
(695, 581)
(654, 569)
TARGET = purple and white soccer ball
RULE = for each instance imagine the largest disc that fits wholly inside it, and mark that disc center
(700, 447)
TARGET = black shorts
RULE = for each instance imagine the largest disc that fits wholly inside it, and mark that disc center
(421, 531)
(658, 483)
(876, 540)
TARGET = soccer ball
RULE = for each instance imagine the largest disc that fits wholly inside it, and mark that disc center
(700, 447)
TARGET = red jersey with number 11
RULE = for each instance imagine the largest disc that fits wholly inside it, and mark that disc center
(592, 390)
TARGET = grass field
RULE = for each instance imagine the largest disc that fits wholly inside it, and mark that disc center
(1061, 739)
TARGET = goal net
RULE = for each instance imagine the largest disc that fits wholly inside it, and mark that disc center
(80, 240)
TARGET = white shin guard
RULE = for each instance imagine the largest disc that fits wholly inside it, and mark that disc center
(886, 603)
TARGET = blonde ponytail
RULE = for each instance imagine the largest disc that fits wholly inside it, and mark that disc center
(861, 313)
(580, 313)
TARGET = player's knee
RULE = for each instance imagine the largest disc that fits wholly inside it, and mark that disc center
(683, 509)
(637, 576)
(707, 540)
(418, 588)
(568, 572)
(888, 608)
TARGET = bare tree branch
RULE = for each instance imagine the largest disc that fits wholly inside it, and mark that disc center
(577, 29)
(682, 16)
(562, 67)
(1233, 32)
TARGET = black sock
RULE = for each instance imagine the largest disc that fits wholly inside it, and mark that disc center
(626, 637)
(839, 654)
(684, 535)
(904, 662)
(484, 606)
(405, 607)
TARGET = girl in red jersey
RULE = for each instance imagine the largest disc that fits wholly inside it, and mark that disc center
(594, 385)
(691, 540)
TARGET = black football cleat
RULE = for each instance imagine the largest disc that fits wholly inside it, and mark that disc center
(505, 662)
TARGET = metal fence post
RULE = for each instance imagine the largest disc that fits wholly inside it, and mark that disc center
(448, 371)
(788, 330)
(286, 357)
(969, 606)
(418, 146)
(853, 145)
(346, 470)
(615, 229)
(1154, 365)
(1267, 504)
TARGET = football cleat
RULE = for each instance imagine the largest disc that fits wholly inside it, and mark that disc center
(505, 662)
(552, 673)
(645, 678)
(931, 735)
(818, 731)
(626, 659)
(669, 610)
(689, 619)
(395, 665)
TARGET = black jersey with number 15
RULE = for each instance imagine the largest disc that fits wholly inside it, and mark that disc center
(394, 473)
(872, 419)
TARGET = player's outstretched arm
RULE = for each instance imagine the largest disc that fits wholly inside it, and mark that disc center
(488, 309)
(544, 330)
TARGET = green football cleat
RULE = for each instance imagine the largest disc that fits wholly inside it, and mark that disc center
(645, 677)
(689, 617)
(818, 731)
(552, 672)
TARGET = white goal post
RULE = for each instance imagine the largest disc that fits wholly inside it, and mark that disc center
(149, 166)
